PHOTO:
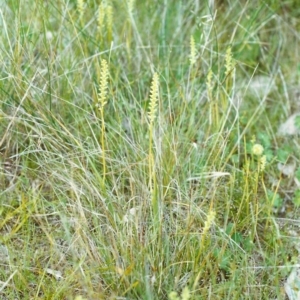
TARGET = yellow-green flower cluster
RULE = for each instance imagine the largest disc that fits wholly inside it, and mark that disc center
(209, 84)
(101, 15)
(80, 8)
(109, 15)
(209, 221)
(105, 19)
(185, 295)
(103, 85)
(193, 51)
(263, 161)
(153, 98)
(228, 61)
(130, 4)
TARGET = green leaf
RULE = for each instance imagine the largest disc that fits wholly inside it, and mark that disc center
(235, 158)
(275, 199)
(237, 237)
(225, 262)
(223, 258)
(297, 121)
(283, 154)
(297, 173)
(229, 227)
(269, 154)
(296, 199)
(264, 139)
(248, 245)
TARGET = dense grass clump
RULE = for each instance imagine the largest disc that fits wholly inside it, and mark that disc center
(142, 149)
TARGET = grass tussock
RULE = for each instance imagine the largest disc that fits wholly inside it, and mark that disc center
(140, 153)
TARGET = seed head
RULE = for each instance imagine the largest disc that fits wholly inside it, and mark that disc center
(257, 149)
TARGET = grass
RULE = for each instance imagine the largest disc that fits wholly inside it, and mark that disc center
(139, 153)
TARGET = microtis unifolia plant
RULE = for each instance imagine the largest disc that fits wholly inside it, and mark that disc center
(102, 100)
(105, 22)
(193, 51)
(80, 8)
(100, 20)
(229, 78)
(154, 97)
(205, 238)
